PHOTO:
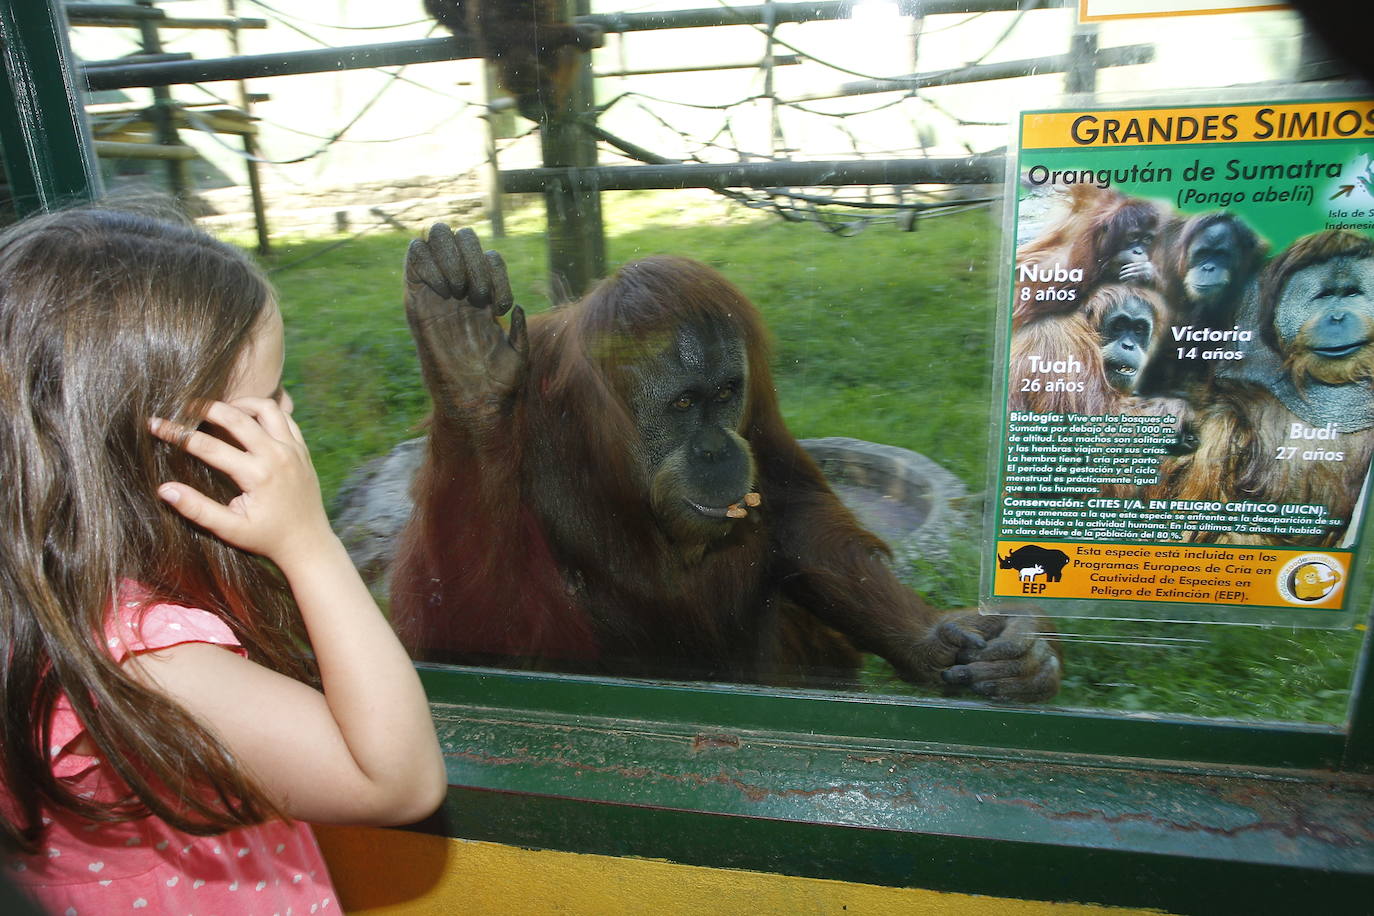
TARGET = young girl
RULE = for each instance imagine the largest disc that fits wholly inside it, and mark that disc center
(162, 737)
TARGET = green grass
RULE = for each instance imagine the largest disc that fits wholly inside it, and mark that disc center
(884, 336)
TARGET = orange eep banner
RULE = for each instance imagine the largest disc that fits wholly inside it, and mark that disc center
(1186, 573)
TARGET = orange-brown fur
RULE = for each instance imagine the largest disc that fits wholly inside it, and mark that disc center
(1075, 335)
(1243, 425)
(532, 540)
(1239, 434)
(1299, 360)
(1087, 236)
(1175, 249)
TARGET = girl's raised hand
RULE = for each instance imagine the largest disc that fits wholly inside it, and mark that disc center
(279, 514)
(364, 750)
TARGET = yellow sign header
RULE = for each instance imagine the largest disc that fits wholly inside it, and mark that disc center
(1267, 123)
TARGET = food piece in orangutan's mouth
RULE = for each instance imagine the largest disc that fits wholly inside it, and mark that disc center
(738, 511)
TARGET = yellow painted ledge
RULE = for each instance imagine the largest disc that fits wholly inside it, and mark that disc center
(397, 873)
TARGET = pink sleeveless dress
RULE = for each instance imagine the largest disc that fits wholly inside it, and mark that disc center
(147, 866)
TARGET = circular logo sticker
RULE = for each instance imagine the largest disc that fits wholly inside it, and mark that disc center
(1310, 578)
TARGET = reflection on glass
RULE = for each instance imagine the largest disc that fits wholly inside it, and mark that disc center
(878, 335)
(610, 488)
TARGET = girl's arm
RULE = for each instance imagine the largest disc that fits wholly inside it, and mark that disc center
(362, 751)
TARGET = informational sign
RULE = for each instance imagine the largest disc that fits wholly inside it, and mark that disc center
(1188, 417)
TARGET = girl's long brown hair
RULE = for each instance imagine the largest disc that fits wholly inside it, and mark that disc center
(108, 318)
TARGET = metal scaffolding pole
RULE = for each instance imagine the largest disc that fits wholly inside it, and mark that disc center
(289, 63)
(427, 50)
(577, 237)
(796, 12)
(981, 169)
(1124, 56)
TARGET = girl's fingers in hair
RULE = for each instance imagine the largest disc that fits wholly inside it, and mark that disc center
(195, 506)
(267, 415)
(243, 425)
(243, 467)
(215, 452)
(278, 512)
(271, 417)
